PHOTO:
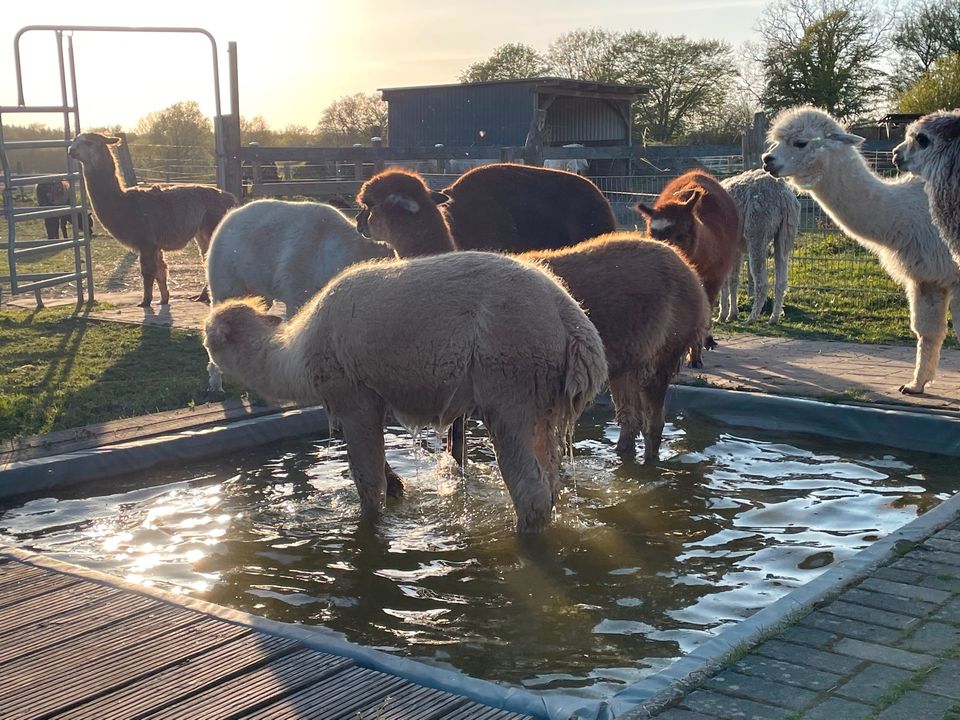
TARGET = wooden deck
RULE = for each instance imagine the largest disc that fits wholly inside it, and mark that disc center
(71, 647)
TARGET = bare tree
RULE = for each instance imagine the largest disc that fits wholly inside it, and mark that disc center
(353, 118)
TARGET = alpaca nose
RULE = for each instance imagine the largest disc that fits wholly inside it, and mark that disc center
(769, 163)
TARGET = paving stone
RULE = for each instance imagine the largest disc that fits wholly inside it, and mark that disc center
(949, 535)
(779, 671)
(934, 638)
(679, 714)
(849, 628)
(937, 556)
(927, 568)
(873, 682)
(871, 615)
(936, 543)
(756, 688)
(904, 590)
(941, 582)
(950, 612)
(837, 708)
(808, 636)
(945, 680)
(724, 706)
(891, 603)
(802, 655)
(897, 575)
(915, 705)
(883, 654)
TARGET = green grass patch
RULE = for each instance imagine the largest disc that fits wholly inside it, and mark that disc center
(59, 369)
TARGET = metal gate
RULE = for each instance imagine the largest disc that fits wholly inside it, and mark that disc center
(77, 206)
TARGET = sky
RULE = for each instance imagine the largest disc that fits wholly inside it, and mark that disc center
(295, 57)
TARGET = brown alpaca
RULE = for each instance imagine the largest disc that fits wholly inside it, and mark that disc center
(645, 300)
(149, 219)
(522, 354)
(696, 215)
(501, 206)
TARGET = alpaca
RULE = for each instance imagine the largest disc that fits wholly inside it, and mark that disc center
(521, 353)
(148, 220)
(932, 151)
(694, 214)
(54, 193)
(889, 217)
(502, 206)
(279, 250)
(645, 300)
(771, 213)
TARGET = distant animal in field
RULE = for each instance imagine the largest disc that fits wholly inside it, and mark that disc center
(645, 300)
(932, 151)
(521, 353)
(890, 217)
(56, 193)
(697, 216)
(280, 250)
(148, 219)
(770, 212)
(578, 166)
(496, 207)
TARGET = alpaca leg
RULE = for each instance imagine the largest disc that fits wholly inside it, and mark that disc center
(362, 427)
(928, 320)
(654, 394)
(528, 484)
(162, 279)
(783, 250)
(148, 269)
(457, 441)
(215, 383)
(203, 245)
(394, 481)
(757, 258)
(547, 446)
(955, 310)
(696, 356)
(53, 227)
(732, 290)
(628, 412)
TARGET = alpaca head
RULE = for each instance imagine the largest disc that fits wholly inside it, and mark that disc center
(675, 221)
(392, 202)
(803, 140)
(92, 149)
(929, 141)
(234, 331)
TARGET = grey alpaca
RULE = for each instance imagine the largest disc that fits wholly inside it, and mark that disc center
(770, 212)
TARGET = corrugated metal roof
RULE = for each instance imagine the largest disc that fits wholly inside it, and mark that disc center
(541, 84)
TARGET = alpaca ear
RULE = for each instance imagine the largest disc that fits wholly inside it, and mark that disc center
(405, 202)
(845, 138)
(689, 198)
(439, 198)
(273, 320)
(643, 209)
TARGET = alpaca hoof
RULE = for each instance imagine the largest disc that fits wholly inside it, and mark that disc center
(709, 343)
(165, 301)
(144, 303)
(911, 390)
(394, 485)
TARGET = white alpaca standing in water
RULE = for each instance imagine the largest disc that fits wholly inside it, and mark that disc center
(889, 217)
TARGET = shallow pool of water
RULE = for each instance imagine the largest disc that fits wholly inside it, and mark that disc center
(640, 565)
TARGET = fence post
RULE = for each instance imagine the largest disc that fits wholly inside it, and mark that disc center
(508, 154)
(533, 145)
(754, 141)
(377, 143)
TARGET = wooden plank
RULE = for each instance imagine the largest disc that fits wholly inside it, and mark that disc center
(185, 679)
(336, 697)
(474, 711)
(61, 692)
(413, 703)
(42, 634)
(16, 593)
(51, 604)
(253, 690)
(17, 572)
(68, 656)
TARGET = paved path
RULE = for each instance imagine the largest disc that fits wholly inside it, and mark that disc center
(886, 648)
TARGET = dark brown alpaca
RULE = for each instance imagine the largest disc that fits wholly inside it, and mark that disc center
(645, 300)
(696, 215)
(501, 206)
(149, 219)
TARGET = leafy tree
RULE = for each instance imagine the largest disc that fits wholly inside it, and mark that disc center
(509, 62)
(929, 30)
(823, 52)
(689, 80)
(936, 89)
(256, 130)
(353, 119)
(180, 133)
(584, 55)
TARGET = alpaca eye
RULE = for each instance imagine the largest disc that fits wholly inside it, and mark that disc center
(800, 144)
(922, 140)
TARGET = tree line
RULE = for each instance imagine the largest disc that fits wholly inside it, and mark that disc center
(856, 58)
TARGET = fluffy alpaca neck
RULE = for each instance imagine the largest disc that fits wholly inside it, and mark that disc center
(944, 194)
(425, 233)
(275, 367)
(856, 198)
(104, 188)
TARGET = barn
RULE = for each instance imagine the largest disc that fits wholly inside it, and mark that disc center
(499, 113)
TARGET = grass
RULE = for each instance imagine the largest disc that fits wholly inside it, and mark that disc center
(59, 369)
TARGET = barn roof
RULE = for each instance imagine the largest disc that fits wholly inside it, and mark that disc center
(551, 85)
